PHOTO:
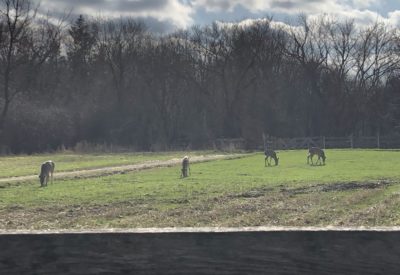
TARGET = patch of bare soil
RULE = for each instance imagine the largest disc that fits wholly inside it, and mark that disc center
(98, 172)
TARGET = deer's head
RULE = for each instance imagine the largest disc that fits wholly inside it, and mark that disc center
(323, 158)
(41, 178)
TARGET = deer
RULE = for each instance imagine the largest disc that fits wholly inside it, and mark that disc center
(270, 154)
(316, 151)
(46, 171)
(185, 167)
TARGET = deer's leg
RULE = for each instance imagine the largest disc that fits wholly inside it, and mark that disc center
(266, 161)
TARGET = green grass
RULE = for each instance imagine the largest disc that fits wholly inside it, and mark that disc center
(23, 165)
(355, 187)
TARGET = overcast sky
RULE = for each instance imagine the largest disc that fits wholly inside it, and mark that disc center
(167, 15)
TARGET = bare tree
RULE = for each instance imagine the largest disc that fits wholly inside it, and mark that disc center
(376, 60)
(119, 43)
(226, 56)
(342, 37)
(25, 44)
(16, 17)
(80, 52)
(309, 46)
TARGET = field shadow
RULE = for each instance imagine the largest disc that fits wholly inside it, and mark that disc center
(255, 193)
(331, 187)
(316, 164)
(338, 186)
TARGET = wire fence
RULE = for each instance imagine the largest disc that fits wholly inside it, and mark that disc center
(276, 143)
(373, 142)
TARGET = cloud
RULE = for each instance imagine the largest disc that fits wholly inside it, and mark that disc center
(230, 5)
(290, 6)
(168, 15)
(394, 18)
(172, 12)
(362, 11)
(360, 4)
(286, 6)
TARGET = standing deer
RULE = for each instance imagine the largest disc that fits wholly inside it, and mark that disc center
(46, 171)
(270, 154)
(316, 151)
(185, 167)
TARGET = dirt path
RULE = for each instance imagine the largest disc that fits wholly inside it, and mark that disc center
(97, 172)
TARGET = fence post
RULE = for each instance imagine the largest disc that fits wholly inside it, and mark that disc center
(323, 141)
(263, 137)
(378, 140)
(351, 141)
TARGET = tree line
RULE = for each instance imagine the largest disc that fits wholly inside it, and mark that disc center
(112, 81)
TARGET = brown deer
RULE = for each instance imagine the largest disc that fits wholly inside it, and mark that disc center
(316, 151)
(270, 154)
(185, 167)
(46, 171)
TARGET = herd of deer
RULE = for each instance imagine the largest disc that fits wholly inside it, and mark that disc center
(313, 151)
(47, 168)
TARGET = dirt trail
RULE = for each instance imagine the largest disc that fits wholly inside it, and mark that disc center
(88, 173)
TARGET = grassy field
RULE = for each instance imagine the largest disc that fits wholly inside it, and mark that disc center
(24, 165)
(354, 188)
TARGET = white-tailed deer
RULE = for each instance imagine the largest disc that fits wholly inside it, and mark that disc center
(46, 171)
(185, 167)
(316, 151)
(270, 154)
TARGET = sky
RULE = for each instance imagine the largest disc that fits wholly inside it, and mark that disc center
(170, 15)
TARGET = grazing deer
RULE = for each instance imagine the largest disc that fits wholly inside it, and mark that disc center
(316, 151)
(185, 167)
(270, 154)
(46, 171)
